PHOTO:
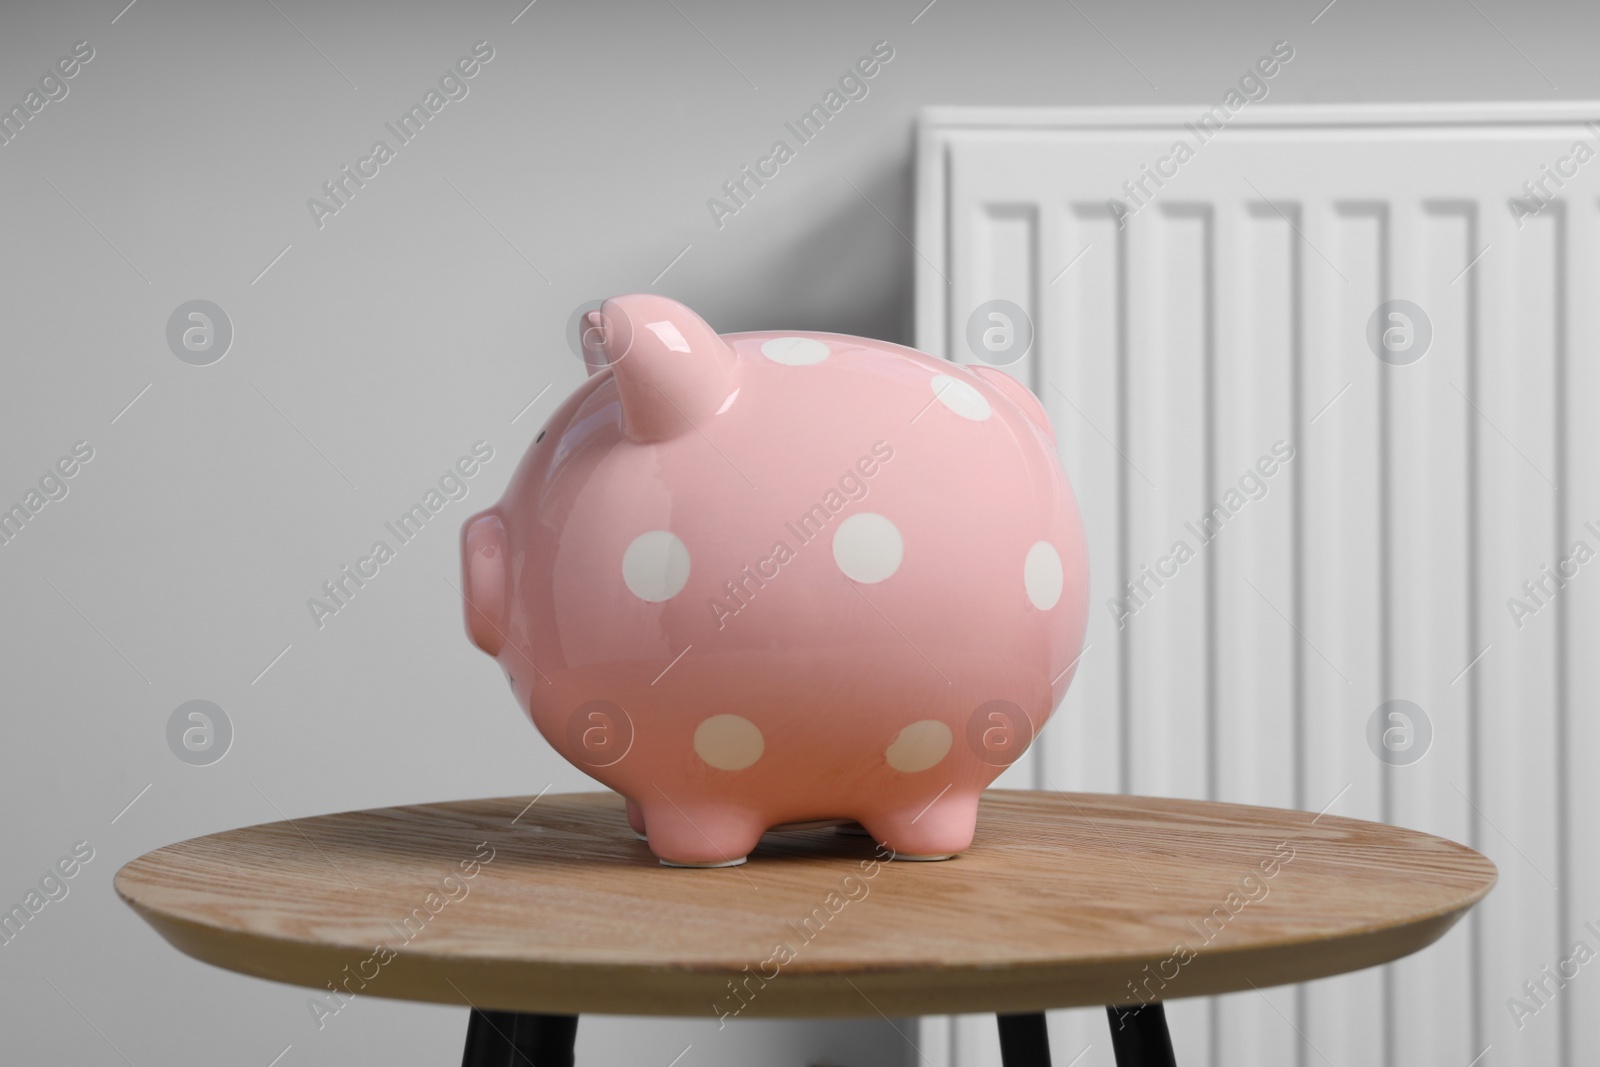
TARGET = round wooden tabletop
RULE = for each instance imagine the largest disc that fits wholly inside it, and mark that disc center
(554, 906)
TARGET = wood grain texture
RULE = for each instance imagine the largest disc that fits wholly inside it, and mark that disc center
(1063, 900)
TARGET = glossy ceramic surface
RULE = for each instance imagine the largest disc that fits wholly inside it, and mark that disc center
(771, 578)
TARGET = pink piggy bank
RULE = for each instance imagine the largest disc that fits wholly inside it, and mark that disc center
(771, 579)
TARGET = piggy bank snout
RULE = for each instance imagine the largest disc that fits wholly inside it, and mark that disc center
(484, 574)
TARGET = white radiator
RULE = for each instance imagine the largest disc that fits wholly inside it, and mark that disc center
(1229, 311)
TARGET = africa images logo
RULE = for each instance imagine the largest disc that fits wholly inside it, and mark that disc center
(342, 187)
(53, 87)
(805, 129)
(1252, 88)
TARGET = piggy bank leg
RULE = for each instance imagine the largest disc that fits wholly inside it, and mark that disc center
(683, 833)
(920, 831)
(636, 819)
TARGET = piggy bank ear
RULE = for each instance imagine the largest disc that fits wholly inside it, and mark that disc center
(672, 370)
(484, 574)
(592, 337)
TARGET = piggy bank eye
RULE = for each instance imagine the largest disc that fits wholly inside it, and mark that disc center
(513, 680)
(536, 440)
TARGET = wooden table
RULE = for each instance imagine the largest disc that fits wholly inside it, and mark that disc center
(533, 911)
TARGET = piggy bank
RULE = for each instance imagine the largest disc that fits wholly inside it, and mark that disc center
(775, 579)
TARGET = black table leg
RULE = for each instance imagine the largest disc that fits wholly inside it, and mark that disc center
(489, 1039)
(1139, 1036)
(518, 1039)
(545, 1040)
(1024, 1040)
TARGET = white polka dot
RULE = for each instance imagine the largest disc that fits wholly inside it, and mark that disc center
(795, 351)
(656, 565)
(728, 742)
(867, 547)
(960, 397)
(919, 746)
(1041, 573)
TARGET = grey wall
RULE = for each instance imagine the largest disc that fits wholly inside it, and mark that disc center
(422, 317)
